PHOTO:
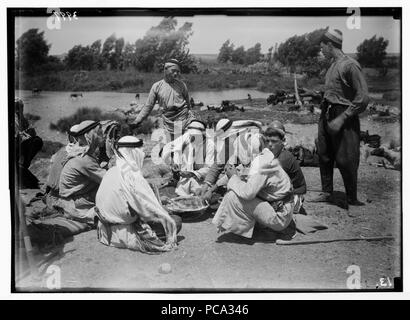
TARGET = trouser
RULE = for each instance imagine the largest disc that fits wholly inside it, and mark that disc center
(342, 148)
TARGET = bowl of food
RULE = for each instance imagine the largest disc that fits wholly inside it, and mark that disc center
(187, 207)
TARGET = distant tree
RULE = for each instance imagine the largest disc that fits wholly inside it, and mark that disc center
(269, 56)
(226, 52)
(253, 54)
(31, 51)
(302, 52)
(79, 58)
(108, 52)
(239, 55)
(96, 52)
(116, 58)
(163, 42)
(372, 52)
(128, 56)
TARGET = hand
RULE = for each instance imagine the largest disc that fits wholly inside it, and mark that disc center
(175, 167)
(207, 196)
(336, 124)
(203, 190)
(31, 132)
(230, 170)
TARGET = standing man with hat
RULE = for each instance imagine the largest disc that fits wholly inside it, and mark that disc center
(173, 99)
(345, 97)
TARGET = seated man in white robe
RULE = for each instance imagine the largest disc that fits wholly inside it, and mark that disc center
(126, 204)
(237, 142)
(266, 198)
(193, 154)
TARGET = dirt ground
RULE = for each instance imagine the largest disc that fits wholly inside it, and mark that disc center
(206, 260)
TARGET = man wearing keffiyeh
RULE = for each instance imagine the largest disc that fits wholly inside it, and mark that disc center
(172, 96)
(127, 207)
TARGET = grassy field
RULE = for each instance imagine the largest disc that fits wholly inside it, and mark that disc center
(133, 81)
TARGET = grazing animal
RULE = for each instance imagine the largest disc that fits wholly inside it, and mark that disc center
(36, 91)
(137, 96)
(76, 95)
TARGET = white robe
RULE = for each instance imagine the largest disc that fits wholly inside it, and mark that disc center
(195, 157)
(265, 198)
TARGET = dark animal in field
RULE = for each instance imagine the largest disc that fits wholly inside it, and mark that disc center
(76, 95)
(229, 106)
(137, 96)
(279, 96)
(294, 108)
(305, 95)
(373, 140)
(225, 106)
(35, 91)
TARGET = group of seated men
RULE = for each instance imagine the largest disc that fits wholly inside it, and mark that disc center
(263, 182)
(97, 179)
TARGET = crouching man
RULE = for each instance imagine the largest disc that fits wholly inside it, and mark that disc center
(191, 155)
(274, 137)
(127, 207)
(266, 198)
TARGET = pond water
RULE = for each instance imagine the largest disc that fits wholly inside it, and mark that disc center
(53, 105)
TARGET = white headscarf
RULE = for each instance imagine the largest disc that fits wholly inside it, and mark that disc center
(72, 141)
(86, 143)
(138, 192)
(247, 146)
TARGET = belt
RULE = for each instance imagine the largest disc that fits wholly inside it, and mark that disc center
(276, 204)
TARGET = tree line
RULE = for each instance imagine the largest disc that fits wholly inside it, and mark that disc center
(147, 54)
(300, 53)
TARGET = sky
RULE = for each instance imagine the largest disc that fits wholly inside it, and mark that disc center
(209, 32)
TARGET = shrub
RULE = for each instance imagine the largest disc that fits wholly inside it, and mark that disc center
(115, 84)
(215, 84)
(64, 124)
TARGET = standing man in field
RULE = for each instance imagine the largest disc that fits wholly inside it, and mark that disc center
(173, 99)
(345, 97)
